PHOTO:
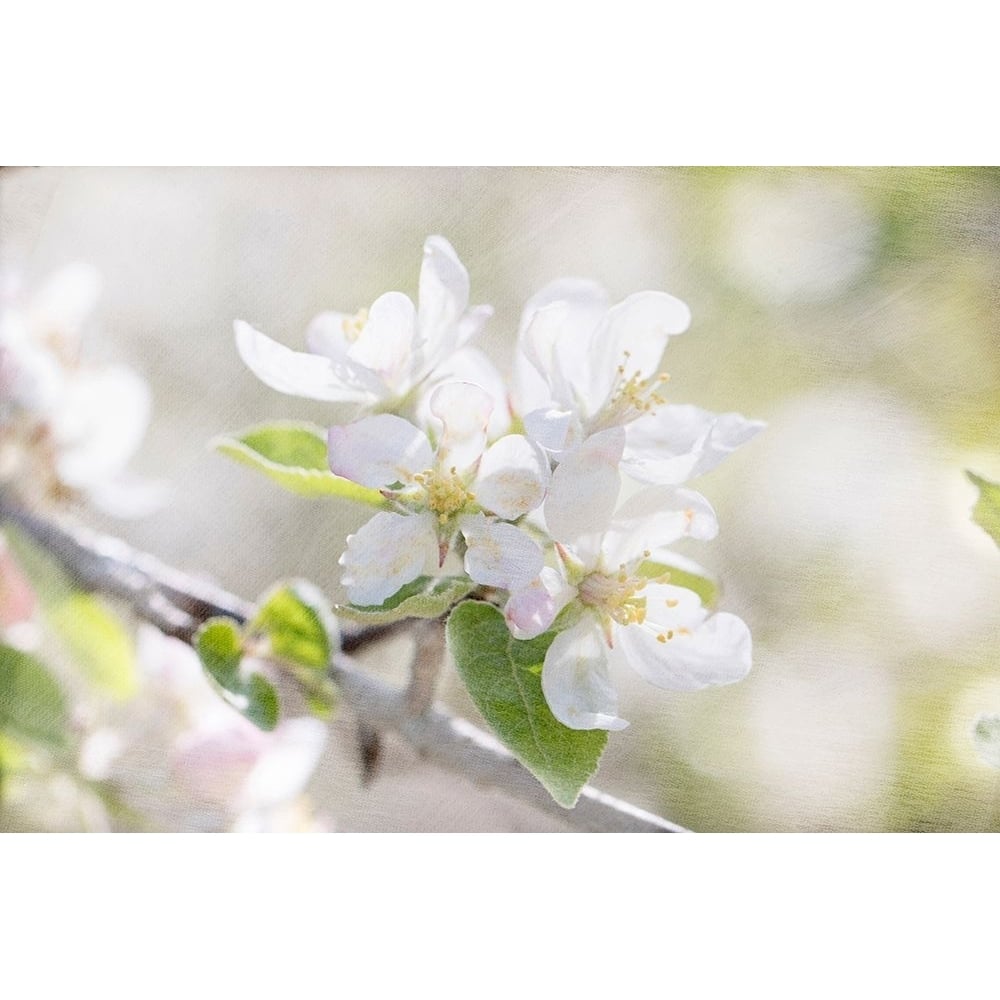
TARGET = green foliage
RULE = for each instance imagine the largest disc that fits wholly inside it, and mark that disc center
(297, 620)
(503, 676)
(705, 588)
(986, 512)
(425, 597)
(90, 632)
(219, 643)
(32, 706)
(986, 737)
(293, 454)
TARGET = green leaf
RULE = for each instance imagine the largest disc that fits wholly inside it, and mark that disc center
(503, 676)
(219, 643)
(986, 737)
(986, 512)
(32, 705)
(90, 632)
(293, 454)
(425, 597)
(706, 588)
(299, 624)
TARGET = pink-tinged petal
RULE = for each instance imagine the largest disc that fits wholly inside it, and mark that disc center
(639, 327)
(464, 409)
(584, 488)
(677, 443)
(512, 478)
(388, 552)
(297, 373)
(386, 340)
(17, 598)
(531, 610)
(654, 517)
(717, 651)
(443, 295)
(575, 679)
(499, 554)
(378, 451)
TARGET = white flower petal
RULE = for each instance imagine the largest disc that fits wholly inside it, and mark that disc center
(499, 554)
(639, 327)
(99, 424)
(301, 374)
(718, 651)
(378, 451)
(654, 517)
(575, 679)
(588, 300)
(443, 295)
(385, 343)
(677, 443)
(471, 325)
(555, 430)
(512, 478)
(65, 301)
(470, 365)
(531, 610)
(386, 553)
(584, 488)
(464, 410)
(326, 334)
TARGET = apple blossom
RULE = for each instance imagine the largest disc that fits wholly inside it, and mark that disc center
(585, 366)
(618, 614)
(383, 357)
(461, 488)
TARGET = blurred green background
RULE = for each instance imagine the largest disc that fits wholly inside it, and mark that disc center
(855, 310)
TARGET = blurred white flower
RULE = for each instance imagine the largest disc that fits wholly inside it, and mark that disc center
(461, 487)
(61, 420)
(804, 237)
(383, 357)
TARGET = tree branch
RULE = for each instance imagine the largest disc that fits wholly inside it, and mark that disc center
(178, 604)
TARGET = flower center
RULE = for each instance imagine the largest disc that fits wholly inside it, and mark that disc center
(631, 397)
(353, 325)
(445, 492)
(614, 596)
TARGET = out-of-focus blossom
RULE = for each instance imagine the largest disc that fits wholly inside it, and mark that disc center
(67, 427)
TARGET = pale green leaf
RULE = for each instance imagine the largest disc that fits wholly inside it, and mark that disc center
(91, 633)
(503, 676)
(986, 512)
(219, 643)
(425, 597)
(299, 624)
(294, 455)
(32, 706)
(986, 737)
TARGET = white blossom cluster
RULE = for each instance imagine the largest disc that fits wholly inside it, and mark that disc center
(67, 428)
(523, 485)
